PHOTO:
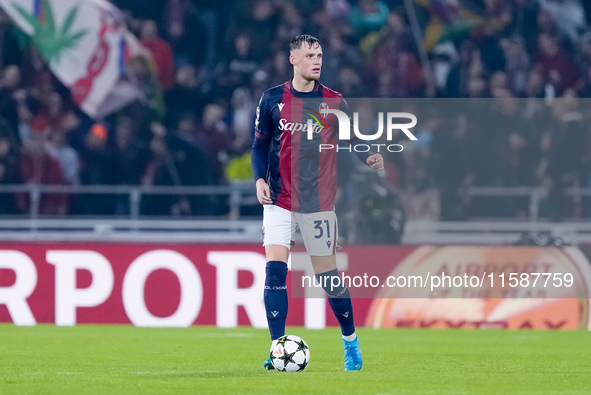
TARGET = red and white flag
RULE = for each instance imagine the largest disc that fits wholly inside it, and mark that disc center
(86, 45)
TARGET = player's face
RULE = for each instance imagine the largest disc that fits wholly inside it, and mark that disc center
(307, 61)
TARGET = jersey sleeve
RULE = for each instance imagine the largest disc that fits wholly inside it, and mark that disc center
(263, 124)
(344, 107)
(263, 131)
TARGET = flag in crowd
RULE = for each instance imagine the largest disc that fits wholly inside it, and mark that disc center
(86, 45)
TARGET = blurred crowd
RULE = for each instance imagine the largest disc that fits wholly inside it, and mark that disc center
(214, 59)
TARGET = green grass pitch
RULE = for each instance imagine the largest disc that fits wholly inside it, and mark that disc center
(124, 359)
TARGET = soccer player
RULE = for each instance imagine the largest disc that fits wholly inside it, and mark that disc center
(296, 184)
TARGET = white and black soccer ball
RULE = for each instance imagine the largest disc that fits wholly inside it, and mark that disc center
(290, 354)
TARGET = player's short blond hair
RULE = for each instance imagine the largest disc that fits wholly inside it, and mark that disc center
(300, 39)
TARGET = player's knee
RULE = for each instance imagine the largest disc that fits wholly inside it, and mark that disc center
(277, 253)
(333, 284)
(275, 275)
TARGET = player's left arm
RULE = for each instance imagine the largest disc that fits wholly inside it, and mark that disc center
(373, 160)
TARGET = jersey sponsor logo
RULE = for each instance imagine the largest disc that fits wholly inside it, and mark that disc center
(293, 127)
(317, 117)
(280, 105)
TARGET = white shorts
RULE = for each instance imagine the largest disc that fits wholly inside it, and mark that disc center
(319, 230)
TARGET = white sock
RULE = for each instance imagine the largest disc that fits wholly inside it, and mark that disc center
(350, 338)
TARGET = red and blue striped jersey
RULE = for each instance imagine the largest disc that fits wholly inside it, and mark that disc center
(300, 177)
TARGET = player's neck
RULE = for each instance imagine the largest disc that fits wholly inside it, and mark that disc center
(301, 84)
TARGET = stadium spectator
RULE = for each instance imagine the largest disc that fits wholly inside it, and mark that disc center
(212, 57)
(499, 15)
(585, 50)
(396, 72)
(559, 70)
(420, 197)
(292, 24)
(350, 83)
(517, 63)
(185, 96)
(524, 23)
(337, 54)
(175, 160)
(156, 162)
(585, 90)
(214, 132)
(10, 92)
(458, 77)
(161, 53)
(10, 47)
(153, 108)
(241, 64)
(142, 9)
(279, 68)
(257, 19)
(535, 87)
(37, 166)
(452, 165)
(8, 168)
(243, 108)
(130, 154)
(98, 167)
(565, 162)
(97, 160)
(499, 85)
(53, 112)
(190, 151)
(337, 10)
(368, 16)
(179, 31)
(59, 147)
(568, 16)
(478, 87)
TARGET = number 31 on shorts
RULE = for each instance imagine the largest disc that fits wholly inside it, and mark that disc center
(320, 226)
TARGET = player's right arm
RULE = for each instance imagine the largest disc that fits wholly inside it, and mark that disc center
(263, 132)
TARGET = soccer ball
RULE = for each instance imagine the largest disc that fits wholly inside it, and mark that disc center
(290, 354)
